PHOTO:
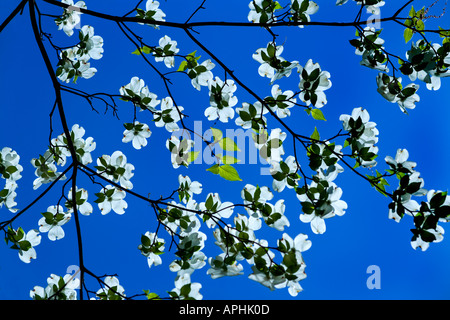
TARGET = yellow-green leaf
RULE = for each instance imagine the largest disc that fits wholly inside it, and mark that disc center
(318, 114)
(407, 34)
(315, 135)
(183, 66)
(229, 173)
(214, 169)
(217, 134)
(229, 160)
(228, 144)
(193, 155)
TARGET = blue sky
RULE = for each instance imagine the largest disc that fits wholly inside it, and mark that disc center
(337, 261)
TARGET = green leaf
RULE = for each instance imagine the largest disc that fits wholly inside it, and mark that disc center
(217, 134)
(317, 114)
(192, 156)
(228, 144)
(146, 49)
(420, 26)
(229, 173)
(145, 241)
(277, 6)
(151, 295)
(214, 169)
(315, 135)
(407, 34)
(229, 160)
(183, 66)
(412, 12)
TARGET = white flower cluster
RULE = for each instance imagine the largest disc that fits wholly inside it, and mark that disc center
(263, 11)
(370, 47)
(372, 6)
(58, 288)
(281, 101)
(221, 100)
(152, 247)
(137, 133)
(273, 66)
(363, 136)
(200, 74)
(137, 92)
(151, 13)
(111, 198)
(313, 83)
(74, 62)
(181, 153)
(320, 200)
(169, 115)
(10, 170)
(285, 174)
(258, 207)
(71, 16)
(392, 90)
(428, 213)
(83, 207)
(428, 63)
(112, 290)
(301, 10)
(240, 243)
(251, 116)
(52, 221)
(213, 209)
(116, 168)
(24, 242)
(46, 170)
(270, 146)
(188, 188)
(166, 51)
(183, 220)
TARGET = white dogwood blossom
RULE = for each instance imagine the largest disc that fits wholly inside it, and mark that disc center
(111, 198)
(281, 101)
(152, 247)
(218, 267)
(116, 168)
(313, 83)
(284, 174)
(180, 150)
(301, 10)
(137, 133)
(166, 51)
(53, 220)
(83, 206)
(392, 90)
(137, 92)
(321, 200)
(71, 16)
(214, 209)
(188, 188)
(169, 115)
(112, 290)
(221, 100)
(10, 170)
(152, 12)
(363, 136)
(58, 288)
(273, 66)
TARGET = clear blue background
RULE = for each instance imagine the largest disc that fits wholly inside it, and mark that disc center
(337, 261)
